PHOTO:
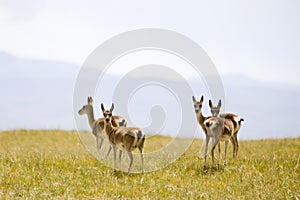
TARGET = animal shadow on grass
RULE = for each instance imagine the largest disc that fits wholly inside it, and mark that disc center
(122, 174)
(211, 170)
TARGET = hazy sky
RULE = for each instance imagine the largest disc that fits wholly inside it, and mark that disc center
(254, 38)
(254, 45)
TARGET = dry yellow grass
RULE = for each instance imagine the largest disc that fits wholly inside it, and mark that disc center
(54, 164)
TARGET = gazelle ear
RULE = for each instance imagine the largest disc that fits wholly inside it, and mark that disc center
(202, 99)
(194, 99)
(102, 107)
(219, 104)
(112, 107)
(210, 103)
(90, 100)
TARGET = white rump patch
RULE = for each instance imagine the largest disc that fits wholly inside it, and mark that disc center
(236, 118)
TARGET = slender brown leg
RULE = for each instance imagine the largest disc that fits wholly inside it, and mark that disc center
(237, 145)
(109, 150)
(99, 145)
(131, 159)
(120, 159)
(142, 157)
(115, 155)
(225, 156)
(217, 140)
(206, 146)
(219, 150)
(232, 139)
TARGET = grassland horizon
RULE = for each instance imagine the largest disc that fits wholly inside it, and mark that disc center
(54, 164)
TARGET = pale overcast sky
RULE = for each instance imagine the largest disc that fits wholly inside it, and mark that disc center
(254, 45)
(254, 38)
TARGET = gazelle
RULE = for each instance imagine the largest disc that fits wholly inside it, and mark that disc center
(201, 119)
(220, 129)
(97, 126)
(236, 120)
(122, 138)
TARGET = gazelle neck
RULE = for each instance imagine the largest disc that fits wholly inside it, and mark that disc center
(91, 117)
(201, 120)
(200, 117)
(108, 126)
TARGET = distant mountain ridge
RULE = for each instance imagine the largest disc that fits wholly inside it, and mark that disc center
(38, 94)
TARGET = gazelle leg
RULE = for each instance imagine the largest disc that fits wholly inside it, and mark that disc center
(120, 159)
(115, 155)
(131, 159)
(219, 150)
(206, 147)
(232, 139)
(142, 157)
(99, 145)
(213, 156)
(237, 145)
(108, 152)
(225, 156)
(213, 149)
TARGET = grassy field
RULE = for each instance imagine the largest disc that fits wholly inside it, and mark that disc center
(54, 164)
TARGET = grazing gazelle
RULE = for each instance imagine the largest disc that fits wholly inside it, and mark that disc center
(201, 119)
(97, 126)
(236, 120)
(122, 138)
(220, 129)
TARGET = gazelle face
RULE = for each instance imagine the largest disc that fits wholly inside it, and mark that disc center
(83, 110)
(107, 114)
(86, 108)
(215, 110)
(198, 104)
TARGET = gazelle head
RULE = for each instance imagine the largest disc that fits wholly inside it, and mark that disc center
(198, 104)
(215, 110)
(87, 108)
(107, 114)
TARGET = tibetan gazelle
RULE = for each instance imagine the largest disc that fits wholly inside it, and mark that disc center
(97, 126)
(201, 119)
(220, 129)
(235, 119)
(124, 139)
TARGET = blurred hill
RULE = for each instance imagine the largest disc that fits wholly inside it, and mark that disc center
(38, 94)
